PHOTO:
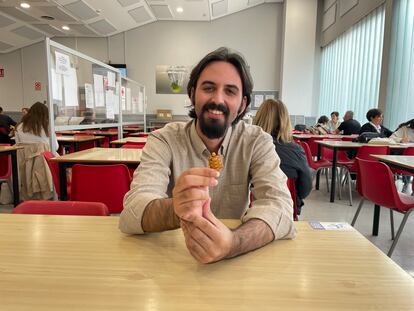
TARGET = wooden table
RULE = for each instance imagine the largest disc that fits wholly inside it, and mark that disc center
(86, 263)
(12, 151)
(405, 163)
(129, 157)
(78, 140)
(328, 136)
(120, 142)
(137, 134)
(133, 129)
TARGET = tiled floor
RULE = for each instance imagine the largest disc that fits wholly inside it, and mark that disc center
(318, 207)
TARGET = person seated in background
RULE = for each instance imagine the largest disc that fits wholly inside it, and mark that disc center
(375, 117)
(321, 128)
(404, 133)
(349, 126)
(6, 126)
(34, 127)
(334, 122)
(33, 135)
(24, 111)
(174, 185)
(273, 118)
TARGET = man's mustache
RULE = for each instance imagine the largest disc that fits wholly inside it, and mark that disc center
(214, 106)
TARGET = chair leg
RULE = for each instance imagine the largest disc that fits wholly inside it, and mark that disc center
(338, 181)
(400, 229)
(350, 188)
(392, 224)
(357, 211)
(326, 177)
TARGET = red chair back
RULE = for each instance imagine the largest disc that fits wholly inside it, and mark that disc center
(313, 146)
(62, 208)
(141, 134)
(86, 145)
(365, 152)
(101, 183)
(408, 151)
(131, 144)
(54, 170)
(377, 182)
(292, 189)
(5, 165)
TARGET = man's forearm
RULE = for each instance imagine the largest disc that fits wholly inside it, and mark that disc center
(159, 216)
(251, 235)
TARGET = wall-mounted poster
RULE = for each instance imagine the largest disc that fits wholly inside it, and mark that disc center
(171, 79)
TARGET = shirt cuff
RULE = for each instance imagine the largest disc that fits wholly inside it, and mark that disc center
(130, 220)
(280, 223)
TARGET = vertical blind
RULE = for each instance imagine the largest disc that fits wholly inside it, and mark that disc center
(399, 106)
(351, 68)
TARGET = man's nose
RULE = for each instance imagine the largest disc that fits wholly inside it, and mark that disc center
(218, 97)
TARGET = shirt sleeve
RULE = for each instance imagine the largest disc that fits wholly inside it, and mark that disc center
(398, 135)
(151, 180)
(272, 202)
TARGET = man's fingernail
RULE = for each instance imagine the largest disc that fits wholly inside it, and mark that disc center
(217, 174)
(214, 182)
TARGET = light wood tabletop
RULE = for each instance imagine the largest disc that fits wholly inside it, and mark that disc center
(78, 139)
(102, 156)
(329, 136)
(398, 161)
(5, 149)
(129, 139)
(86, 263)
(136, 134)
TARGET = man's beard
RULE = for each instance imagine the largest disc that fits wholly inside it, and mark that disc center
(213, 128)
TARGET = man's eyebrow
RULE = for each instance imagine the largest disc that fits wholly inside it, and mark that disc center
(231, 86)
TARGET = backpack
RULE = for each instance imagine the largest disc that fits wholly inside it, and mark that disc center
(366, 137)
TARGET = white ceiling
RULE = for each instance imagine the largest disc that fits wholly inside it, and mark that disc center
(20, 27)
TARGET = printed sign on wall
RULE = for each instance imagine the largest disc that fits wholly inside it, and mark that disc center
(1, 72)
(38, 86)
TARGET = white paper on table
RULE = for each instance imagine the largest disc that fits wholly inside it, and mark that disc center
(99, 91)
(111, 79)
(56, 85)
(332, 226)
(109, 98)
(89, 95)
(128, 99)
(123, 97)
(70, 88)
(140, 101)
(269, 96)
(258, 100)
(62, 63)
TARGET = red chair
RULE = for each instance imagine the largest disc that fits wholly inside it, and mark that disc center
(5, 165)
(54, 170)
(62, 208)
(85, 145)
(141, 135)
(132, 145)
(316, 165)
(377, 182)
(101, 183)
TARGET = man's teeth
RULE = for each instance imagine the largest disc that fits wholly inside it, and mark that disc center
(215, 111)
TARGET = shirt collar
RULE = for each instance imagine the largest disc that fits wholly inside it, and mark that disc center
(199, 144)
(377, 127)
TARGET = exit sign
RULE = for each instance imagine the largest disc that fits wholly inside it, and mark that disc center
(1, 72)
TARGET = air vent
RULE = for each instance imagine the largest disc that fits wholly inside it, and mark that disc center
(83, 30)
(18, 14)
(27, 33)
(56, 13)
(81, 10)
(125, 3)
(47, 17)
(140, 15)
(103, 27)
(219, 8)
(161, 11)
(4, 21)
(48, 29)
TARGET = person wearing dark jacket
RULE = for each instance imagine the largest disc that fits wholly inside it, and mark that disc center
(6, 125)
(375, 117)
(273, 118)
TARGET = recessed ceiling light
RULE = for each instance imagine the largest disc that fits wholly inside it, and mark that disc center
(25, 5)
(65, 27)
(180, 10)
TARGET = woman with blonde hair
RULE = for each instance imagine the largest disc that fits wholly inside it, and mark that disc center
(273, 118)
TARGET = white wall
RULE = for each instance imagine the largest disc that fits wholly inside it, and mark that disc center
(298, 61)
(256, 33)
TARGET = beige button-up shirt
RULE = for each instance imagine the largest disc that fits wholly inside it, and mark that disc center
(249, 158)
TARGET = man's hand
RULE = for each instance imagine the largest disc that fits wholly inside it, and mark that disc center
(207, 238)
(191, 192)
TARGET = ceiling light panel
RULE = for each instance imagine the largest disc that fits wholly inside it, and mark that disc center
(140, 15)
(27, 33)
(125, 3)
(103, 27)
(4, 46)
(56, 12)
(83, 30)
(81, 10)
(5, 21)
(48, 29)
(161, 11)
(17, 14)
(219, 8)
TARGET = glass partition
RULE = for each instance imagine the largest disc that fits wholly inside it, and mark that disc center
(83, 93)
(133, 103)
